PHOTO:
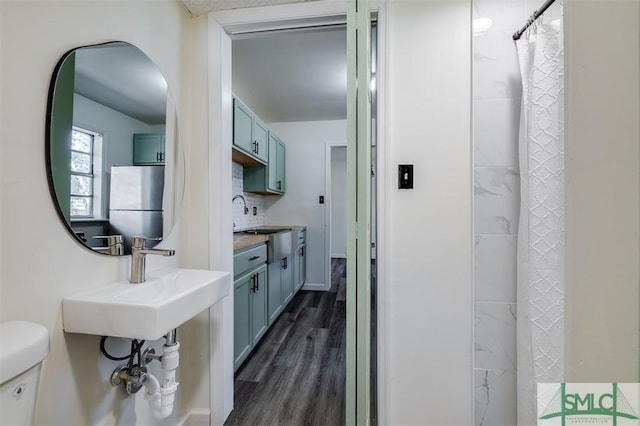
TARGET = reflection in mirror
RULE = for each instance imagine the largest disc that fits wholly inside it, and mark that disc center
(115, 164)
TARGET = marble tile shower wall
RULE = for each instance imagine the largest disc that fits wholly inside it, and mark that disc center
(497, 92)
(241, 220)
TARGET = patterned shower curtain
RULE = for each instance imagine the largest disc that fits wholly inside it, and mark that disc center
(540, 290)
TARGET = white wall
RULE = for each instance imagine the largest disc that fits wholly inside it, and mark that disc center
(117, 131)
(338, 203)
(40, 263)
(305, 181)
(603, 190)
(117, 128)
(426, 238)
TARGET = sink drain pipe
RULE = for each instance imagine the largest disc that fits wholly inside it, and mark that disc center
(161, 396)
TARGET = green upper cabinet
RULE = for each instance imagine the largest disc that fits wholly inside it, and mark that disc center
(261, 139)
(148, 148)
(250, 136)
(269, 179)
(275, 166)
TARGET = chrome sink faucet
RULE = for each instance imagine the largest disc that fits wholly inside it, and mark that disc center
(235, 197)
(139, 252)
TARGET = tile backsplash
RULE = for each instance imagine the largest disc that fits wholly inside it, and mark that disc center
(241, 220)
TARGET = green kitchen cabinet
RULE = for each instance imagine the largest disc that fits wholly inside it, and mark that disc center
(250, 301)
(287, 280)
(148, 148)
(274, 296)
(259, 315)
(269, 179)
(276, 165)
(300, 274)
(241, 319)
(299, 258)
(280, 286)
(250, 136)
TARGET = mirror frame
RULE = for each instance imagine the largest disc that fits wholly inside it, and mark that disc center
(178, 196)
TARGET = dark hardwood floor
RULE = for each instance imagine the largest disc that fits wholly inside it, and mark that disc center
(296, 375)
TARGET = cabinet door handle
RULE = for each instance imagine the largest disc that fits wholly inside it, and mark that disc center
(257, 282)
(302, 251)
(254, 258)
(253, 284)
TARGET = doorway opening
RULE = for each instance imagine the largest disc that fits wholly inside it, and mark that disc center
(301, 204)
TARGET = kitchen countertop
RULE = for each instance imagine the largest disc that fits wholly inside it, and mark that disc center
(241, 241)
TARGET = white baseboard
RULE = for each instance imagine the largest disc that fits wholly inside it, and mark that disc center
(315, 287)
(339, 256)
(196, 417)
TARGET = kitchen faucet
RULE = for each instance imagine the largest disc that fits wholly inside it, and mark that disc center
(139, 252)
(235, 197)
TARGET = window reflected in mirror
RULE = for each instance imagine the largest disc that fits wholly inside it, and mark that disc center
(113, 172)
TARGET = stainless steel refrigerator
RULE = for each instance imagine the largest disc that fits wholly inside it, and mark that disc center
(135, 202)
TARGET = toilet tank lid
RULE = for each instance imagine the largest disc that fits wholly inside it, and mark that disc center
(23, 344)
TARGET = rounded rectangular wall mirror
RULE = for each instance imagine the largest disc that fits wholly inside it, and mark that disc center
(114, 160)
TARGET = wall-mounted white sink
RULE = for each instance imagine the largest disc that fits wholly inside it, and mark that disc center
(146, 311)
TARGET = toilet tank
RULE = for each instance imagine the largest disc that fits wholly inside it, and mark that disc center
(23, 346)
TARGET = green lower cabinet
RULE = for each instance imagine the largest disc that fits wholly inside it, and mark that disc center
(241, 320)
(286, 280)
(250, 312)
(300, 272)
(259, 316)
(261, 292)
(281, 286)
(275, 291)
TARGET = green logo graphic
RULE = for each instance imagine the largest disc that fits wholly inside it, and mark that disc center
(612, 404)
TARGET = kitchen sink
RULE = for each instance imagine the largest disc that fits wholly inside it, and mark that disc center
(279, 244)
(261, 231)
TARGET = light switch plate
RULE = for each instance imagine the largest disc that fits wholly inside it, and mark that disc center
(405, 176)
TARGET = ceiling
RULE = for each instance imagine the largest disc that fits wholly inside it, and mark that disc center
(121, 77)
(293, 75)
(283, 76)
(199, 7)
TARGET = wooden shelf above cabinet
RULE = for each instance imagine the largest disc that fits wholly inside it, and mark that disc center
(241, 158)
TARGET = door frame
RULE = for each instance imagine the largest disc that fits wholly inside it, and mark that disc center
(297, 15)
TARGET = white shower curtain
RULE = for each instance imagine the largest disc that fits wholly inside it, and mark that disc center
(540, 289)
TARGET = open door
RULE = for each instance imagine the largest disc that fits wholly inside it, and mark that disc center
(358, 338)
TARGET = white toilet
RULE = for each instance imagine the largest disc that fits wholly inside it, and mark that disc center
(23, 346)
